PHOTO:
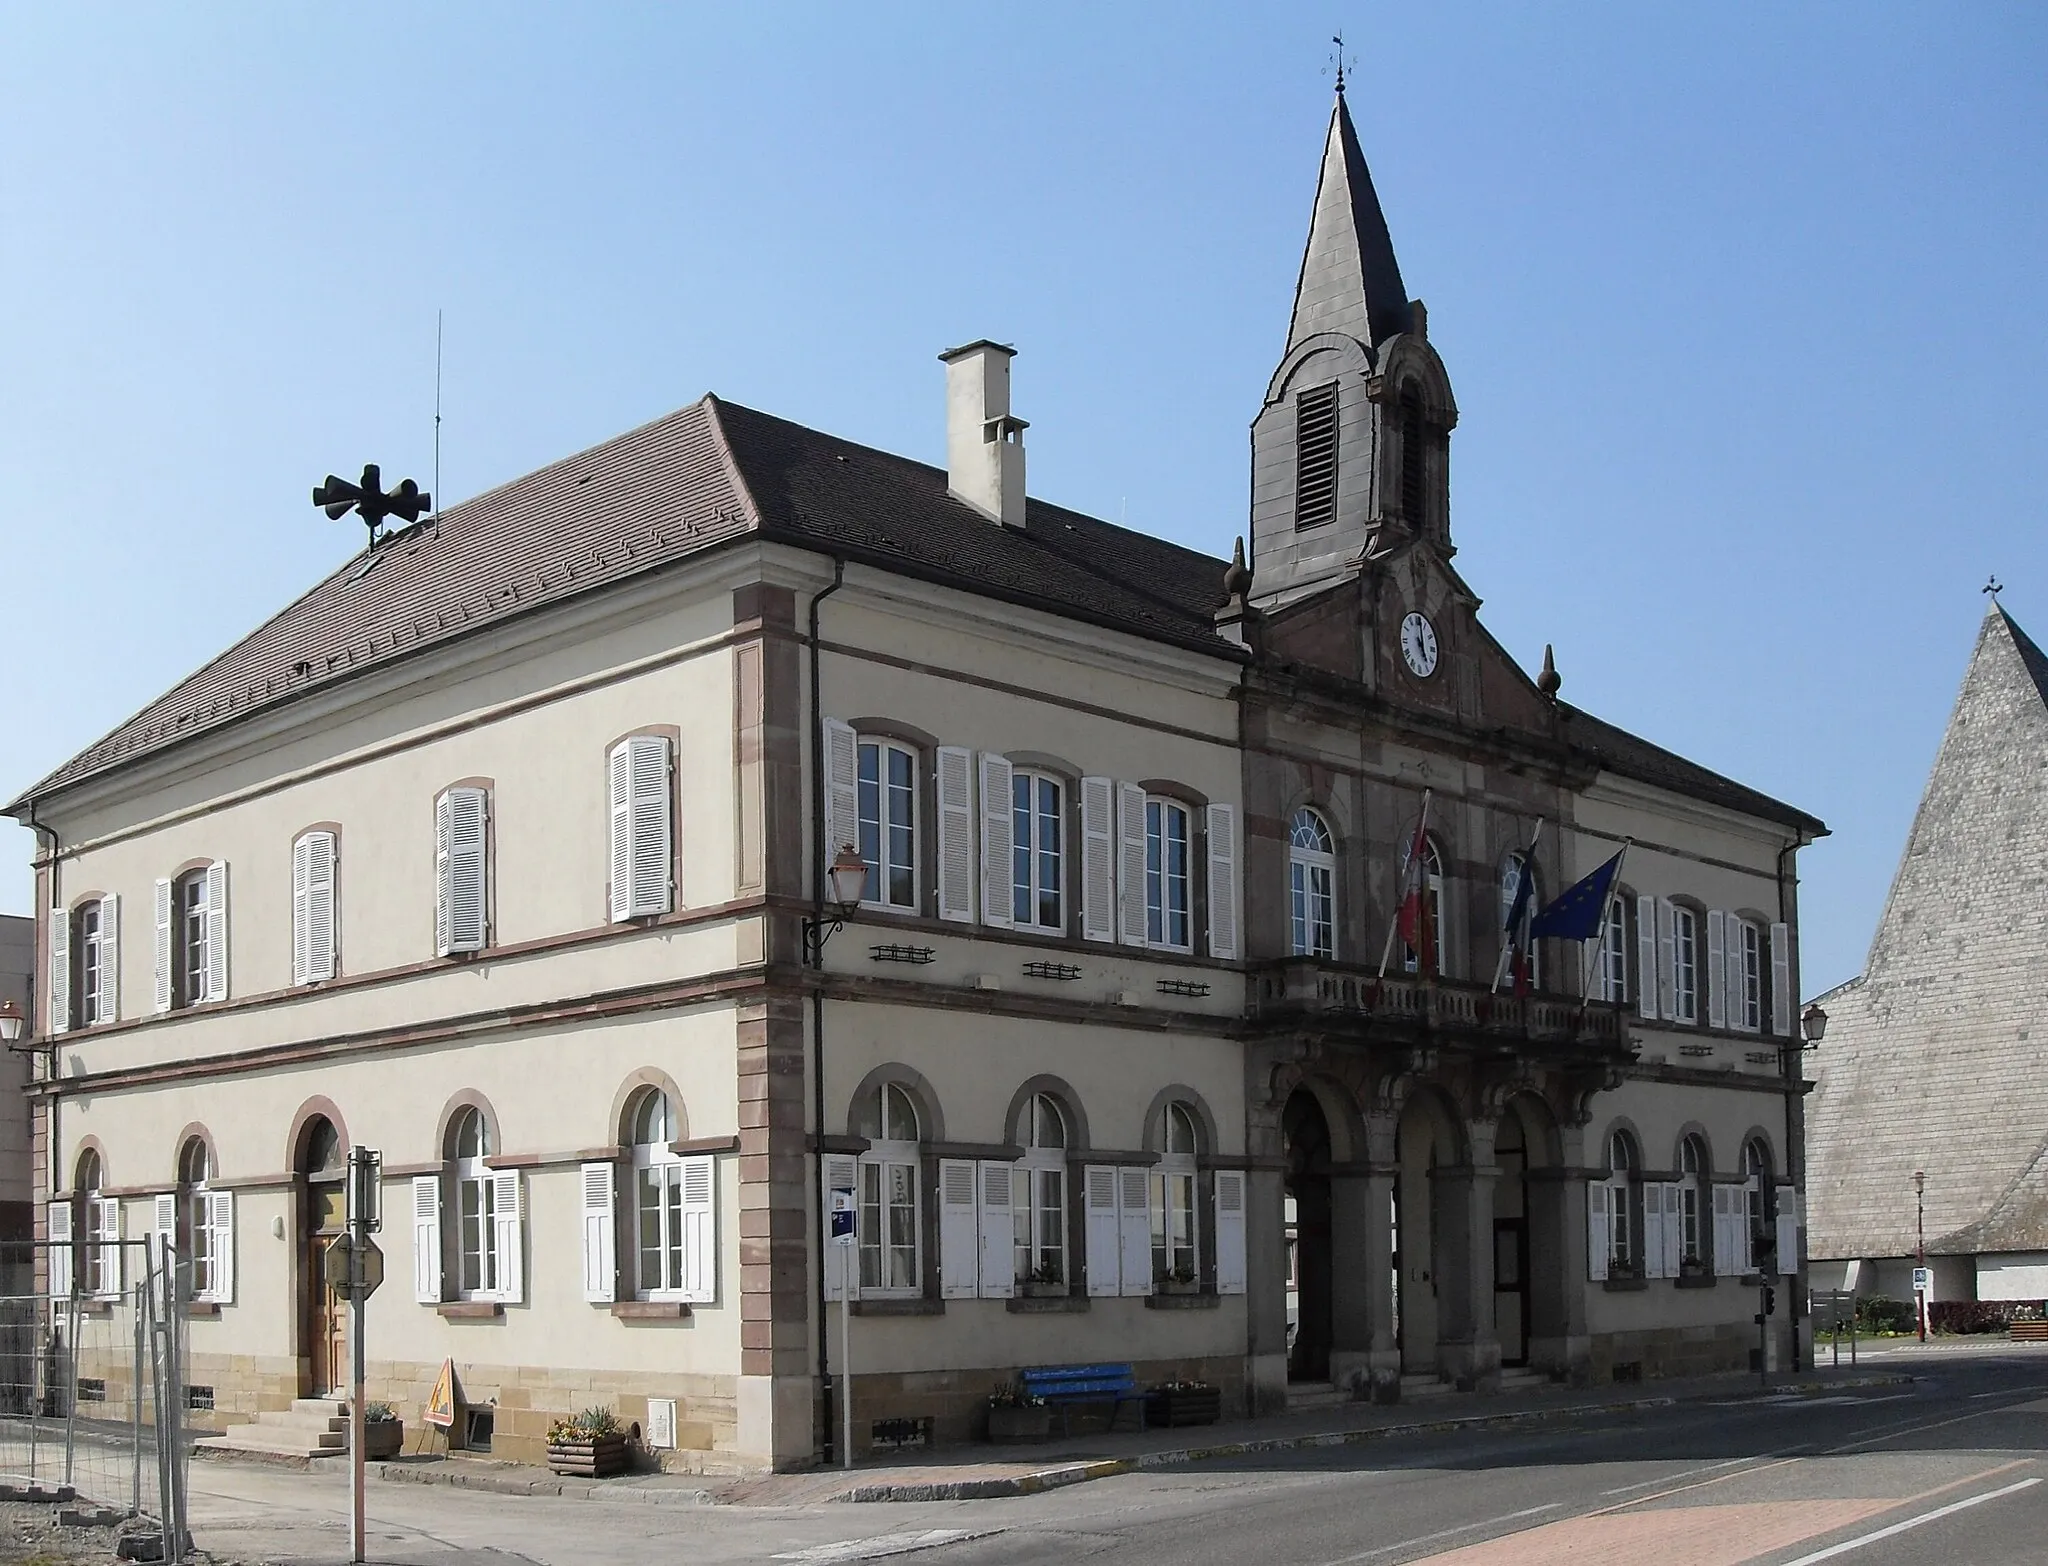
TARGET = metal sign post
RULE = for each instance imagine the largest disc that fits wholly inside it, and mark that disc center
(846, 1237)
(362, 1268)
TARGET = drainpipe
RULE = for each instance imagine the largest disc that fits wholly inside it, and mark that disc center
(37, 1001)
(817, 960)
(1792, 1058)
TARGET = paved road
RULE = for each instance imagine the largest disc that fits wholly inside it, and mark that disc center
(1952, 1471)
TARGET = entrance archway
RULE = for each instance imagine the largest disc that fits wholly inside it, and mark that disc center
(1511, 1240)
(1532, 1222)
(320, 1166)
(1426, 1141)
(1309, 1301)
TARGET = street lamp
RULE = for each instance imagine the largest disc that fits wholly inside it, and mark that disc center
(1814, 1025)
(12, 1022)
(848, 878)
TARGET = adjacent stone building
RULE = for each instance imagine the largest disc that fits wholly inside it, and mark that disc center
(502, 851)
(1932, 1061)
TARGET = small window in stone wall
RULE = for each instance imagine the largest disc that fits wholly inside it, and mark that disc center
(477, 1428)
(198, 1397)
(92, 1389)
(1315, 456)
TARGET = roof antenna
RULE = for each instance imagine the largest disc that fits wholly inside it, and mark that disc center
(1337, 61)
(1994, 587)
(437, 418)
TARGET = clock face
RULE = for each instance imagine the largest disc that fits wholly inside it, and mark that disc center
(1418, 644)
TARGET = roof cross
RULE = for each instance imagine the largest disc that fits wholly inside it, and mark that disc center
(1994, 587)
(1337, 59)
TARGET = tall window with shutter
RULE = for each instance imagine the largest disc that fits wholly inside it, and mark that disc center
(1175, 1252)
(1315, 456)
(192, 937)
(890, 1194)
(1037, 878)
(1168, 904)
(1312, 885)
(1039, 1195)
(886, 806)
(462, 896)
(313, 922)
(92, 972)
(1614, 944)
(640, 775)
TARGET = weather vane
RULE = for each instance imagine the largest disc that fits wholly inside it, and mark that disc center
(1337, 59)
(367, 499)
(1994, 587)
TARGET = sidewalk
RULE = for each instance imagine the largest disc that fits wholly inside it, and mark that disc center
(973, 1473)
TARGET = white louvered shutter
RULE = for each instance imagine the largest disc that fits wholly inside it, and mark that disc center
(313, 908)
(1727, 1252)
(1781, 980)
(998, 841)
(1134, 1230)
(107, 1246)
(163, 993)
(842, 791)
(465, 893)
(999, 1230)
(1103, 1241)
(700, 1231)
(1223, 881)
(1098, 859)
(842, 1173)
(956, 834)
(508, 1235)
(1130, 876)
(1788, 1231)
(63, 1261)
(426, 1239)
(1674, 1230)
(60, 968)
(444, 900)
(1648, 983)
(1649, 1257)
(220, 1233)
(1599, 1234)
(163, 1226)
(217, 930)
(1722, 975)
(959, 1236)
(110, 959)
(1230, 1267)
(600, 1232)
(642, 853)
(1667, 960)
(302, 949)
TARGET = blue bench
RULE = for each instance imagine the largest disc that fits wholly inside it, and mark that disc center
(1065, 1386)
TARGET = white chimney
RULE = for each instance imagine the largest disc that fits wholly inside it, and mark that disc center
(984, 445)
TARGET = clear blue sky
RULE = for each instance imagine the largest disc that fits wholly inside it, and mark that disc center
(1743, 306)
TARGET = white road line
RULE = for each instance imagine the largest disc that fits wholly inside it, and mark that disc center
(1445, 1533)
(1911, 1522)
(1685, 1473)
(882, 1546)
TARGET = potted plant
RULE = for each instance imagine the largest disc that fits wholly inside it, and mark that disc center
(1181, 1280)
(591, 1445)
(383, 1430)
(1183, 1403)
(1044, 1282)
(1016, 1415)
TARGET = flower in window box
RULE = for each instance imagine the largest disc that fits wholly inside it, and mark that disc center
(1044, 1282)
(1181, 1280)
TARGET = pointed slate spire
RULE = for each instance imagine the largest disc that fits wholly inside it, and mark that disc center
(1350, 281)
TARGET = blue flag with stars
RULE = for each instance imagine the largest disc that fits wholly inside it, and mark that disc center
(1577, 911)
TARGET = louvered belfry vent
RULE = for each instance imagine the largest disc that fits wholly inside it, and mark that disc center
(1315, 456)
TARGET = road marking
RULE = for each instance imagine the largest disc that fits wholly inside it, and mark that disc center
(883, 1546)
(1644, 1484)
(1446, 1533)
(1911, 1522)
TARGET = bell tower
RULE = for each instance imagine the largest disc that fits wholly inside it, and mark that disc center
(1350, 452)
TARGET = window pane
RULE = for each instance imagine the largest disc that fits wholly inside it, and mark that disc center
(649, 1222)
(1020, 850)
(1048, 853)
(1155, 886)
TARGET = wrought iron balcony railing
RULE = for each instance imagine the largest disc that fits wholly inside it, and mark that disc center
(1308, 987)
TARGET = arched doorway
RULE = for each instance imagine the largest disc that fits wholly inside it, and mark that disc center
(1426, 1141)
(1532, 1225)
(1511, 1240)
(323, 1326)
(1309, 1311)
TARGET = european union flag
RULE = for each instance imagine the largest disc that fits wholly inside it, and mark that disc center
(1578, 910)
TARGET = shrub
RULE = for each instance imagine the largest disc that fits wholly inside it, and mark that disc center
(1966, 1317)
(1879, 1314)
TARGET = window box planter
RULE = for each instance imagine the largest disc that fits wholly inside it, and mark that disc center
(1170, 1408)
(595, 1458)
(1179, 1286)
(1041, 1291)
(383, 1438)
(1019, 1424)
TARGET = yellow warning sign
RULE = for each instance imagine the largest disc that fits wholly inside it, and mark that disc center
(441, 1401)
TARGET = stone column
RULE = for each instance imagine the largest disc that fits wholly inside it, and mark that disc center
(1559, 1341)
(1470, 1348)
(1363, 1351)
(1265, 1247)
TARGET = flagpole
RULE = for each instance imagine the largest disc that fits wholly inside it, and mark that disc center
(1586, 979)
(1407, 868)
(1520, 909)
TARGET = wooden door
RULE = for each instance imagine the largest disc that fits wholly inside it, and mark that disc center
(326, 1326)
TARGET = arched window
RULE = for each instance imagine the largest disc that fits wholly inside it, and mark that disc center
(1175, 1255)
(1756, 1202)
(1037, 850)
(1312, 883)
(1414, 457)
(887, 801)
(1041, 1209)
(1695, 1204)
(1430, 959)
(1168, 915)
(191, 939)
(93, 976)
(1510, 881)
(195, 1217)
(98, 1219)
(1685, 963)
(657, 1197)
(1624, 1172)
(475, 1206)
(1614, 950)
(891, 1193)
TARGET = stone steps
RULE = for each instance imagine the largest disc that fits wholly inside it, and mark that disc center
(312, 1427)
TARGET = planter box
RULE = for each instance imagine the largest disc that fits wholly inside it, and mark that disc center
(1042, 1291)
(1169, 1286)
(1019, 1424)
(1168, 1410)
(383, 1438)
(2028, 1331)
(596, 1459)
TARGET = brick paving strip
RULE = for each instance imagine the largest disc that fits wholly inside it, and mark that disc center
(970, 1479)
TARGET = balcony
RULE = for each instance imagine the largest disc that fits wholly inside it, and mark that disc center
(1408, 1007)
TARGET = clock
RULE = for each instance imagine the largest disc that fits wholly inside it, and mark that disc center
(1418, 645)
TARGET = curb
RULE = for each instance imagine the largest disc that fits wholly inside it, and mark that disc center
(549, 1486)
(1109, 1467)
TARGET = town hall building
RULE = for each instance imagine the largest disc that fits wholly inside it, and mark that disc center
(505, 851)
